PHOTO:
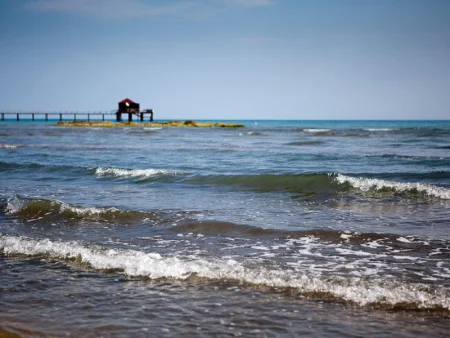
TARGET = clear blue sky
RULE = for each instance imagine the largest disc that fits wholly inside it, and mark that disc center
(229, 59)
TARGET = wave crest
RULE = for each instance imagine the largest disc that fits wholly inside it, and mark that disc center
(42, 207)
(153, 265)
(380, 129)
(367, 184)
(9, 146)
(44, 210)
(54, 210)
(321, 183)
(134, 173)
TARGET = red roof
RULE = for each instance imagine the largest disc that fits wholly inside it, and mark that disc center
(127, 100)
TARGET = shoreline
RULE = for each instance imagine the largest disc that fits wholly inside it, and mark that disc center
(187, 123)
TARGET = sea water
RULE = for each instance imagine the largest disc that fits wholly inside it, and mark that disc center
(281, 228)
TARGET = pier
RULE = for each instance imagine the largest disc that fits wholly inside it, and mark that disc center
(125, 106)
(44, 115)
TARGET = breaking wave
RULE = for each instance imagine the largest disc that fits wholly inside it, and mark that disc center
(99, 171)
(380, 129)
(135, 173)
(33, 209)
(368, 184)
(313, 130)
(322, 183)
(47, 210)
(9, 146)
(133, 263)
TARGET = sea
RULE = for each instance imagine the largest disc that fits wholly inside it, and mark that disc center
(277, 229)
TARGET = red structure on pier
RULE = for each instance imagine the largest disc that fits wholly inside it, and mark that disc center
(128, 106)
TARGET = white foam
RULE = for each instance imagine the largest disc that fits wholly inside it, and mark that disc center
(380, 129)
(143, 173)
(315, 130)
(354, 253)
(365, 184)
(346, 236)
(14, 205)
(17, 204)
(260, 247)
(373, 244)
(86, 211)
(362, 291)
(9, 146)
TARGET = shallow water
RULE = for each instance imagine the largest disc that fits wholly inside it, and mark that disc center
(314, 228)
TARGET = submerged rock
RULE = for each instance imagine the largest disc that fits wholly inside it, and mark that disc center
(110, 124)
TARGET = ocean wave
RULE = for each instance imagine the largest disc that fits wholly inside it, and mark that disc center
(313, 130)
(51, 211)
(380, 129)
(33, 166)
(9, 146)
(211, 227)
(416, 158)
(134, 263)
(306, 183)
(99, 171)
(8, 165)
(135, 173)
(304, 143)
(39, 208)
(34, 209)
(337, 132)
(404, 156)
(327, 183)
(368, 184)
(219, 228)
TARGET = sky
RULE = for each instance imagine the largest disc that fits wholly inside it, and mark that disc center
(229, 59)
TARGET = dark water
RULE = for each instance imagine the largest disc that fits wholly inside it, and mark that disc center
(283, 228)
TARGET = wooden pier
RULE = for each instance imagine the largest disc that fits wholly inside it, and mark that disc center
(44, 115)
(72, 116)
(125, 106)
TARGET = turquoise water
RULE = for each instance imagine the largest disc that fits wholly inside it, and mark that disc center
(311, 228)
